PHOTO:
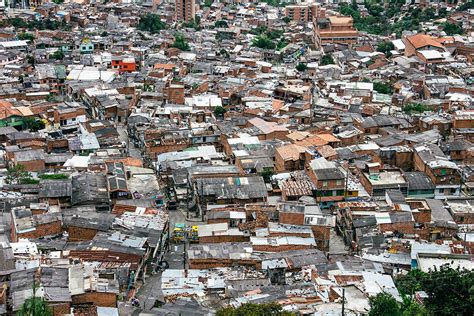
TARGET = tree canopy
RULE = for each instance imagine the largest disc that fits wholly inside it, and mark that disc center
(452, 29)
(450, 291)
(26, 36)
(151, 23)
(33, 124)
(384, 88)
(262, 41)
(180, 42)
(58, 55)
(18, 175)
(221, 24)
(327, 60)
(219, 111)
(414, 108)
(386, 17)
(249, 309)
(385, 47)
(383, 304)
(301, 67)
(35, 306)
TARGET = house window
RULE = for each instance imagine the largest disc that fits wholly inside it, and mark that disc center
(325, 183)
(339, 182)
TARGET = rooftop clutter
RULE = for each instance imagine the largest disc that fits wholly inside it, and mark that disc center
(184, 158)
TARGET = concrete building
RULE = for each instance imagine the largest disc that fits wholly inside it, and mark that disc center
(185, 10)
(335, 29)
(304, 12)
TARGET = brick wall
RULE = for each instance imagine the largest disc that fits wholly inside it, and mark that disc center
(60, 309)
(422, 216)
(463, 218)
(322, 236)
(80, 233)
(221, 239)
(42, 230)
(216, 263)
(97, 298)
(291, 218)
(33, 165)
(404, 228)
(269, 248)
(294, 234)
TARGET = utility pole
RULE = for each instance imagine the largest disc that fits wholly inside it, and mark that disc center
(184, 252)
(343, 299)
(346, 164)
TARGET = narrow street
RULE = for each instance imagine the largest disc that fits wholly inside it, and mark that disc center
(133, 151)
(150, 292)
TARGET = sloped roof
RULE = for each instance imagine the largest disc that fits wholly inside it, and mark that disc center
(422, 40)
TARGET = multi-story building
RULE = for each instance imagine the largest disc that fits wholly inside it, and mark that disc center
(444, 173)
(185, 10)
(335, 29)
(329, 181)
(304, 12)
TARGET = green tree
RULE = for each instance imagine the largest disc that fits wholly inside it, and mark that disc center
(262, 41)
(224, 53)
(18, 23)
(249, 309)
(414, 108)
(267, 175)
(30, 60)
(275, 3)
(384, 88)
(282, 43)
(450, 291)
(261, 29)
(194, 24)
(26, 36)
(208, 3)
(286, 19)
(35, 306)
(58, 55)
(385, 47)
(385, 17)
(151, 23)
(410, 283)
(32, 124)
(180, 42)
(466, 6)
(411, 308)
(452, 29)
(58, 1)
(301, 67)
(18, 175)
(327, 60)
(221, 24)
(54, 176)
(383, 304)
(50, 98)
(219, 111)
(274, 34)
